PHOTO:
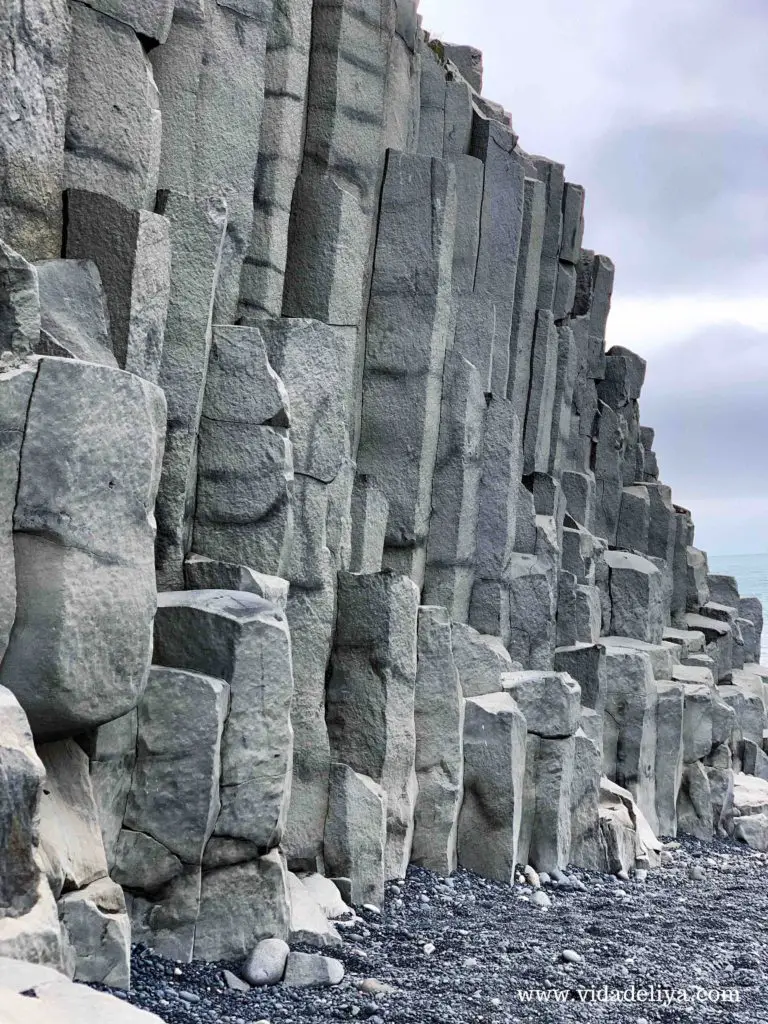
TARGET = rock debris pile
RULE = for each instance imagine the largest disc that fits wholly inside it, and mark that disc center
(330, 537)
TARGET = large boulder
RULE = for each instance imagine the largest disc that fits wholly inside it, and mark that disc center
(84, 527)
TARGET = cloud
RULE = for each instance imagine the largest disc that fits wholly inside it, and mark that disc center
(683, 205)
(648, 325)
(706, 400)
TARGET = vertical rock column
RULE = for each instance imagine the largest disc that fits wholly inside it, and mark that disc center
(210, 73)
(244, 504)
(308, 357)
(225, 893)
(406, 336)
(439, 707)
(370, 698)
(280, 152)
(34, 87)
(335, 199)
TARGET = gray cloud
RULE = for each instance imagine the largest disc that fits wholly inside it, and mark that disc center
(683, 204)
(706, 399)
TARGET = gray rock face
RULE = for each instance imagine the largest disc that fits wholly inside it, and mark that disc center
(636, 597)
(698, 585)
(526, 294)
(723, 590)
(68, 1003)
(553, 176)
(97, 927)
(328, 241)
(117, 155)
(369, 511)
(550, 702)
(585, 844)
(112, 754)
(141, 862)
(131, 249)
(197, 229)
(240, 906)
(545, 834)
(406, 339)
(494, 766)
(280, 151)
(439, 718)
(541, 399)
(241, 639)
(201, 573)
(174, 796)
(73, 310)
(751, 609)
(79, 652)
(244, 509)
(210, 73)
(311, 616)
(308, 923)
(469, 61)
(586, 664)
(499, 489)
(146, 17)
(453, 524)
(370, 696)
(671, 708)
(629, 736)
(308, 357)
(356, 833)
(15, 391)
(573, 223)
(694, 805)
(165, 920)
(19, 304)
(480, 660)
(70, 836)
(34, 85)
(29, 926)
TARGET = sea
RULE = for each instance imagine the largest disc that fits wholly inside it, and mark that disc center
(751, 571)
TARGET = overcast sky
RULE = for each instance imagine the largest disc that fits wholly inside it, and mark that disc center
(660, 109)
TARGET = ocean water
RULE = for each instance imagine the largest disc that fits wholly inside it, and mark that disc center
(752, 573)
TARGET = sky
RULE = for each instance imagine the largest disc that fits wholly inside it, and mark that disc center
(660, 109)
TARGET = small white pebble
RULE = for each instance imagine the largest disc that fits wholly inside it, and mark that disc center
(429, 948)
(371, 908)
(572, 957)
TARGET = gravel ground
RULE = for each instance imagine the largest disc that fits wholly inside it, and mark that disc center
(673, 937)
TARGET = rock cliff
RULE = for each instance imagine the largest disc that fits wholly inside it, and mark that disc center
(331, 538)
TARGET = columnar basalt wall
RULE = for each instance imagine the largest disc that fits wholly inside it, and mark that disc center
(331, 538)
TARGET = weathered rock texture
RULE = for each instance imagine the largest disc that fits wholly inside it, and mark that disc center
(295, 332)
